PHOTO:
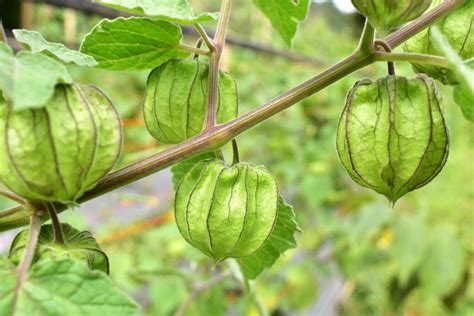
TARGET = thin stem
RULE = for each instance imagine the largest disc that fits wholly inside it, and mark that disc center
(35, 228)
(388, 49)
(198, 45)
(202, 32)
(220, 135)
(199, 289)
(58, 231)
(235, 150)
(414, 58)
(12, 196)
(367, 39)
(214, 64)
(194, 50)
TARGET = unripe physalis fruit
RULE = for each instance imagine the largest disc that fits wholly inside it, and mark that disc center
(59, 151)
(175, 106)
(458, 28)
(392, 136)
(387, 15)
(226, 212)
(78, 246)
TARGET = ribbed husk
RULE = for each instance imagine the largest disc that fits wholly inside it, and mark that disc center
(458, 28)
(79, 246)
(58, 152)
(387, 15)
(226, 211)
(392, 136)
(175, 106)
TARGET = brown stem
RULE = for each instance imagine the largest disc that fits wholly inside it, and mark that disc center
(58, 231)
(214, 63)
(388, 49)
(218, 136)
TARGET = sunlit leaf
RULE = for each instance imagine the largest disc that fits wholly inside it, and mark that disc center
(133, 43)
(176, 11)
(27, 80)
(285, 15)
(56, 288)
(37, 44)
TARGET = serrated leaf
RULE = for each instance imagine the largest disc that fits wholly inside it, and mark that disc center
(444, 264)
(181, 169)
(285, 15)
(176, 11)
(78, 246)
(281, 239)
(57, 288)
(38, 44)
(27, 80)
(133, 43)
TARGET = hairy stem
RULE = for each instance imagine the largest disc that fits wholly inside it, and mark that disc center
(214, 63)
(219, 135)
(415, 58)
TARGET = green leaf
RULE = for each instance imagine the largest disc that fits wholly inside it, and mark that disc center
(37, 44)
(281, 239)
(284, 15)
(56, 288)
(28, 80)
(133, 43)
(444, 264)
(176, 11)
(79, 246)
(181, 169)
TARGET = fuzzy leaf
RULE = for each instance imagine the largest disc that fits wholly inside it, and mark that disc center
(56, 288)
(37, 44)
(176, 11)
(281, 239)
(27, 80)
(133, 43)
(285, 15)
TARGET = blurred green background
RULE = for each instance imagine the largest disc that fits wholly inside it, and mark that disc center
(356, 255)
